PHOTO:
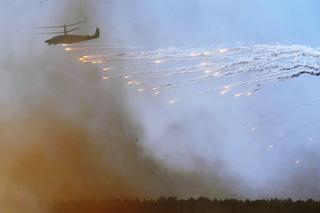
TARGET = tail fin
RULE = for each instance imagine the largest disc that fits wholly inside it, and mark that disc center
(97, 33)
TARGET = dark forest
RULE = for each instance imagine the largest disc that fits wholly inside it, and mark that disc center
(174, 205)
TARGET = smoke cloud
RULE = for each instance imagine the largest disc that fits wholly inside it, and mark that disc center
(65, 135)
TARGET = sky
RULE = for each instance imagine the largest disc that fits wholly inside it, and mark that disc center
(98, 139)
(215, 22)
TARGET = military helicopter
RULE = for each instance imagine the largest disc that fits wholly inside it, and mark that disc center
(66, 38)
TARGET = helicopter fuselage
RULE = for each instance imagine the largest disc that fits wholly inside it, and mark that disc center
(70, 39)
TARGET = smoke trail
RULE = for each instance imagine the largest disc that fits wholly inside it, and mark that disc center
(259, 65)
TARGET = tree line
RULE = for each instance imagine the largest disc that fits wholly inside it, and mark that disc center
(174, 205)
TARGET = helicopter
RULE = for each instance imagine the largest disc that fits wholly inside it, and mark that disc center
(66, 38)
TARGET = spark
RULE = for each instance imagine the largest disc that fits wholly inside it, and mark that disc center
(223, 51)
(105, 78)
(68, 49)
(130, 82)
(298, 161)
(207, 53)
(127, 76)
(159, 61)
(106, 69)
(223, 92)
(173, 101)
(141, 90)
(157, 92)
(249, 93)
(238, 95)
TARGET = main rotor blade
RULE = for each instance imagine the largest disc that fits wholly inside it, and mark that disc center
(72, 29)
(74, 23)
(50, 33)
(50, 27)
(59, 26)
